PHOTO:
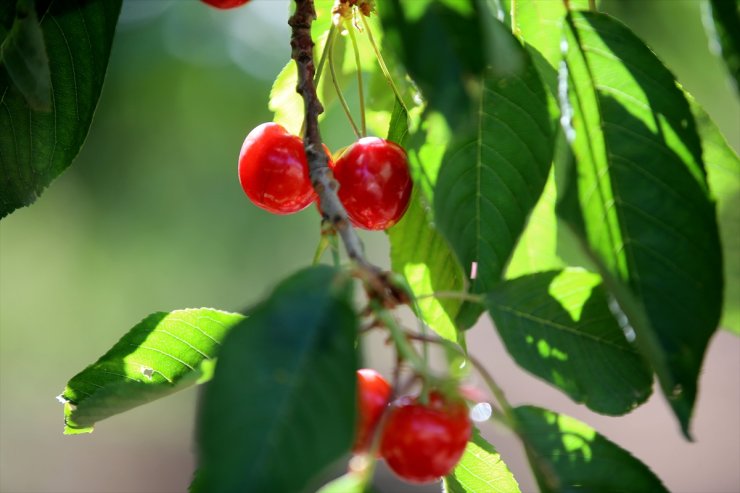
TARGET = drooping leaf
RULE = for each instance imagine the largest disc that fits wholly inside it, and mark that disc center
(23, 54)
(480, 470)
(725, 20)
(489, 182)
(281, 405)
(557, 325)
(723, 174)
(567, 455)
(36, 146)
(638, 198)
(162, 354)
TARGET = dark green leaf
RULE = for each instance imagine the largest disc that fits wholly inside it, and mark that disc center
(428, 35)
(23, 55)
(726, 22)
(723, 174)
(35, 147)
(480, 470)
(281, 405)
(639, 199)
(557, 325)
(569, 456)
(162, 354)
(398, 129)
(489, 182)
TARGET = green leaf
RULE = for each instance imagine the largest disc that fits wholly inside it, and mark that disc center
(422, 256)
(557, 325)
(567, 456)
(480, 470)
(536, 250)
(725, 20)
(36, 146)
(489, 182)
(639, 200)
(24, 57)
(429, 34)
(418, 250)
(723, 174)
(281, 406)
(160, 355)
(351, 482)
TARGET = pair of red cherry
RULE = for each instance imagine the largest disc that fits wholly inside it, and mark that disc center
(373, 176)
(419, 442)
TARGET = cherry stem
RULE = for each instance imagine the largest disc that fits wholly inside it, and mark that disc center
(338, 89)
(453, 295)
(324, 54)
(381, 62)
(350, 29)
(320, 248)
(405, 349)
(496, 390)
(592, 5)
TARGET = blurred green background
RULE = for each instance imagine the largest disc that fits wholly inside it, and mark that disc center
(151, 217)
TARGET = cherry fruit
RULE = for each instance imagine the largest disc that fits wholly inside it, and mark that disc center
(422, 443)
(373, 393)
(225, 4)
(374, 182)
(273, 170)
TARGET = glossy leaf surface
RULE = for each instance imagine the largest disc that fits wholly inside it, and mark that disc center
(639, 199)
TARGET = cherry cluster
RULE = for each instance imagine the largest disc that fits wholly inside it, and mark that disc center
(420, 442)
(373, 176)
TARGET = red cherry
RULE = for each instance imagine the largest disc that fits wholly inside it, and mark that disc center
(374, 182)
(373, 393)
(225, 4)
(422, 443)
(273, 170)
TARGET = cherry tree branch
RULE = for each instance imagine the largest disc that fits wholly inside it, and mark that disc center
(322, 177)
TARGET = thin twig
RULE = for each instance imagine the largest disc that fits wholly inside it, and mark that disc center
(322, 177)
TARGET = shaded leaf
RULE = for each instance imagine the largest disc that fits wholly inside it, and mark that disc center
(725, 20)
(723, 174)
(429, 34)
(35, 147)
(24, 57)
(489, 182)
(281, 405)
(567, 455)
(160, 355)
(480, 470)
(639, 200)
(557, 325)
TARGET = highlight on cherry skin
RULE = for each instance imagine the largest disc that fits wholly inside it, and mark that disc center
(373, 394)
(225, 4)
(423, 442)
(374, 182)
(273, 170)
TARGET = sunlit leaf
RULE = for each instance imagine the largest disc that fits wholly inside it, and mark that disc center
(567, 455)
(36, 146)
(162, 354)
(558, 326)
(723, 174)
(281, 405)
(480, 470)
(639, 199)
